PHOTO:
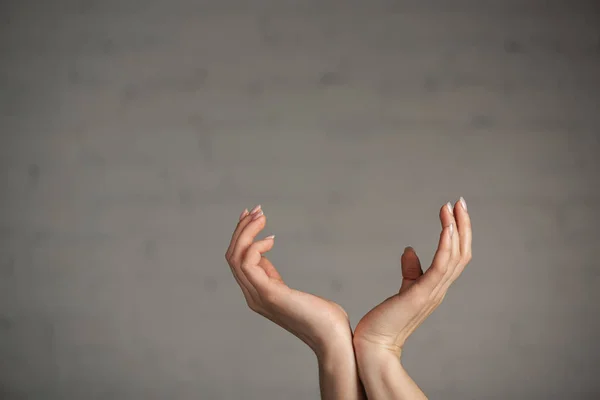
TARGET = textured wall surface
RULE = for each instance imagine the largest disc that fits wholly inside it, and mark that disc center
(134, 132)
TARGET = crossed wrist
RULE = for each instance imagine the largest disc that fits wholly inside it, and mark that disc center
(371, 349)
(370, 356)
(334, 347)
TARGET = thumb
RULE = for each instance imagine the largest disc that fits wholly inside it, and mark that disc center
(411, 268)
(255, 267)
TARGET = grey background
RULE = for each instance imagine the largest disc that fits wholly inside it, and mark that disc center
(134, 133)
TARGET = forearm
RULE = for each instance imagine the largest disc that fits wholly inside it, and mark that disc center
(384, 377)
(338, 374)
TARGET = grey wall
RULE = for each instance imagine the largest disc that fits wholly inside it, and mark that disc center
(134, 133)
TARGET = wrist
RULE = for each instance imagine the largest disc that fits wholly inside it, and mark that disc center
(332, 341)
(371, 358)
(371, 352)
(383, 374)
(338, 373)
(334, 348)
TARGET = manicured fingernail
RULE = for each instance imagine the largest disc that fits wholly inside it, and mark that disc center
(255, 209)
(449, 205)
(243, 214)
(257, 215)
(270, 237)
(463, 203)
(451, 229)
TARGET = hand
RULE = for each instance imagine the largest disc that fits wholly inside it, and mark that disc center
(320, 323)
(387, 326)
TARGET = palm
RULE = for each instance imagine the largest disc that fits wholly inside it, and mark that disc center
(389, 324)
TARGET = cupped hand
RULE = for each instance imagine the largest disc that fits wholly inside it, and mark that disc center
(387, 326)
(318, 322)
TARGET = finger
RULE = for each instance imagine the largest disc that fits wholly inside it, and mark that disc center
(446, 215)
(455, 257)
(255, 222)
(463, 224)
(248, 235)
(249, 293)
(270, 269)
(435, 274)
(430, 287)
(247, 289)
(252, 265)
(453, 263)
(257, 249)
(411, 265)
(245, 219)
(240, 248)
(411, 268)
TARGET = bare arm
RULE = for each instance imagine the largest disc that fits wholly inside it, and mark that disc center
(338, 374)
(384, 377)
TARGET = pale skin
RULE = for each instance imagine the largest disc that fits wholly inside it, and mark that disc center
(366, 363)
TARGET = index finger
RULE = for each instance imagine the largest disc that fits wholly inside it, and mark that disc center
(248, 235)
(245, 219)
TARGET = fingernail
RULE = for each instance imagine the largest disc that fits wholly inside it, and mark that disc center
(270, 237)
(407, 248)
(255, 209)
(257, 215)
(243, 214)
(449, 205)
(451, 229)
(463, 203)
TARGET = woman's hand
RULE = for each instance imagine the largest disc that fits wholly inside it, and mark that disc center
(322, 324)
(316, 321)
(380, 335)
(389, 324)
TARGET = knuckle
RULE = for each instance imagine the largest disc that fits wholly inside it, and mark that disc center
(245, 268)
(455, 261)
(468, 256)
(464, 260)
(252, 305)
(442, 268)
(446, 252)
